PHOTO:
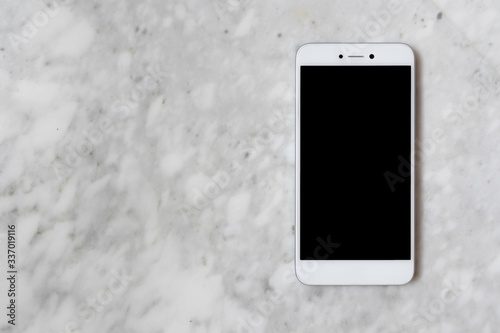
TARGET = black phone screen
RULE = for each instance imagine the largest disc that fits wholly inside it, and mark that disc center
(355, 178)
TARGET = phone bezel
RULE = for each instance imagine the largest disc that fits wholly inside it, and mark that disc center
(354, 272)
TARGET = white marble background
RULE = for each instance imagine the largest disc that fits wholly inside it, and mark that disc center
(147, 160)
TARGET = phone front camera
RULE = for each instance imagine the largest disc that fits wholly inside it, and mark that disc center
(372, 56)
(341, 56)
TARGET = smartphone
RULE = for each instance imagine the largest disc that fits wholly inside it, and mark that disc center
(355, 179)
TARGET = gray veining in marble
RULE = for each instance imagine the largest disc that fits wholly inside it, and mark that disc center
(147, 161)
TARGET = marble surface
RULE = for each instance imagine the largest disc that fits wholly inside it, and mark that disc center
(147, 162)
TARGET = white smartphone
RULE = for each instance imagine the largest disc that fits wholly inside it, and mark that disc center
(355, 164)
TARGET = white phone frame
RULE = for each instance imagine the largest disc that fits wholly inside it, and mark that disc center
(354, 272)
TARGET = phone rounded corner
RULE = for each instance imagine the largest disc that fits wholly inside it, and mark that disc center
(299, 277)
(301, 49)
(410, 50)
(408, 278)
